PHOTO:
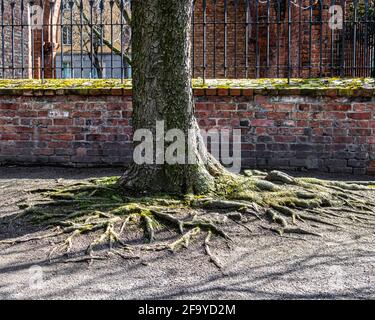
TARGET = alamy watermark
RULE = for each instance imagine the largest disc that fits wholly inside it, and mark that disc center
(176, 147)
(336, 20)
(31, 282)
(336, 278)
(36, 17)
(36, 278)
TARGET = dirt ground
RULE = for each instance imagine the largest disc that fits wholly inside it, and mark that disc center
(260, 265)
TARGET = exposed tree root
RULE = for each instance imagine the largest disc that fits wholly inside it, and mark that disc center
(282, 231)
(290, 205)
(213, 259)
(149, 228)
(124, 256)
(185, 240)
(88, 259)
(29, 239)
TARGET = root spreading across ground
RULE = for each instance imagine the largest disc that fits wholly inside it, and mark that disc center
(99, 208)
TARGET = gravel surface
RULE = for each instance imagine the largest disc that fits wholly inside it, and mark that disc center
(259, 265)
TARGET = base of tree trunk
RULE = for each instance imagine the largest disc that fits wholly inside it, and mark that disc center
(198, 178)
(143, 179)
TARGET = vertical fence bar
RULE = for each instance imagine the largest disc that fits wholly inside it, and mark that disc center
(214, 35)
(101, 10)
(289, 38)
(129, 67)
(52, 10)
(332, 43)
(122, 39)
(41, 69)
(61, 38)
(22, 8)
(193, 39)
(12, 7)
(111, 3)
(71, 34)
(2, 39)
(235, 37)
(81, 36)
(91, 2)
(310, 36)
(321, 38)
(342, 49)
(354, 67)
(247, 35)
(278, 21)
(257, 59)
(300, 38)
(372, 70)
(366, 39)
(225, 38)
(268, 36)
(204, 24)
(371, 49)
(32, 47)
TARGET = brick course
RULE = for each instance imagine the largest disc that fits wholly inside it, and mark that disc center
(326, 130)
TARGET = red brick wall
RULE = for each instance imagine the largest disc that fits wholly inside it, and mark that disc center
(65, 130)
(323, 130)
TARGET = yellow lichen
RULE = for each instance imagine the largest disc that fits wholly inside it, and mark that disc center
(345, 84)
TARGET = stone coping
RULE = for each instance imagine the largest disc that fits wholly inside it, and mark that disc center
(332, 87)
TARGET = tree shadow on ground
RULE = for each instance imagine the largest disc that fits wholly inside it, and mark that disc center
(312, 275)
(51, 172)
(302, 276)
(94, 213)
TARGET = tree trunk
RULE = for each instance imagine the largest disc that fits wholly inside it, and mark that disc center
(162, 91)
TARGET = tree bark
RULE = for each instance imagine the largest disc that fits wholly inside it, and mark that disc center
(162, 91)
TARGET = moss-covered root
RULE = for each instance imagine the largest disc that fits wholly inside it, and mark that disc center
(99, 210)
(184, 240)
(213, 259)
(291, 206)
(295, 204)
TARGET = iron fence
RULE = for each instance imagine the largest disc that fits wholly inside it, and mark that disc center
(230, 38)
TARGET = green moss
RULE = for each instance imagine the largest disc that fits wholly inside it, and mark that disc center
(127, 209)
(312, 83)
(299, 203)
(95, 85)
(56, 84)
(311, 180)
(247, 196)
(106, 181)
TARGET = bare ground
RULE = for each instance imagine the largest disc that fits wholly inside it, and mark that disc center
(260, 265)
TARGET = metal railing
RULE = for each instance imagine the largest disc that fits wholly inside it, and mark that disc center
(230, 38)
